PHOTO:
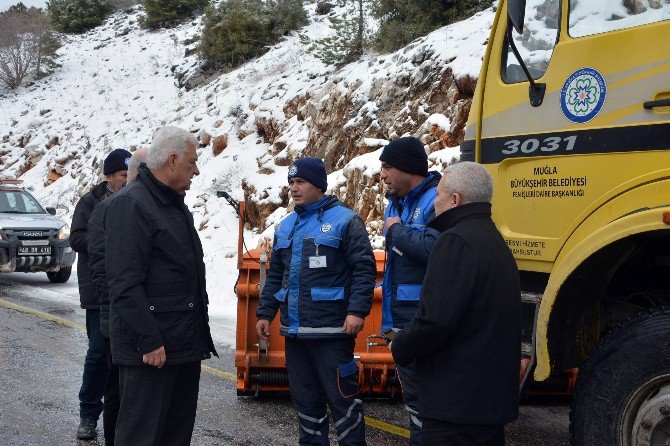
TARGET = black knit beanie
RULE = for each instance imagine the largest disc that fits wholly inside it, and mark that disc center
(312, 170)
(406, 154)
(115, 161)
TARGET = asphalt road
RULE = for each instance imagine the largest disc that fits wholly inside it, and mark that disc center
(42, 347)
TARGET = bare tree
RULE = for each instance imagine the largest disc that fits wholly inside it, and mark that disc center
(27, 44)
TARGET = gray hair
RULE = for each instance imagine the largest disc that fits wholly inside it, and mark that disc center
(139, 156)
(168, 140)
(470, 180)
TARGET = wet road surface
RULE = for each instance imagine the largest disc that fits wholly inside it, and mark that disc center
(42, 348)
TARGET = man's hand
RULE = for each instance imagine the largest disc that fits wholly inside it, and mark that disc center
(263, 328)
(155, 358)
(391, 221)
(353, 324)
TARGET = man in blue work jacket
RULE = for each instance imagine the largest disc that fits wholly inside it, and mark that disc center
(411, 191)
(322, 277)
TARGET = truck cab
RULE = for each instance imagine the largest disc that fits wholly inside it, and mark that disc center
(32, 238)
(571, 115)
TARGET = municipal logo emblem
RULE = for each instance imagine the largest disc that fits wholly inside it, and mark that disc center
(417, 213)
(583, 95)
(292, 171)
(326, 227)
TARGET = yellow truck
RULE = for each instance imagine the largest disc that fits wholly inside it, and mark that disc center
(571, 115)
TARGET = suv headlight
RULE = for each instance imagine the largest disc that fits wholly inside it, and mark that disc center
(64, 232)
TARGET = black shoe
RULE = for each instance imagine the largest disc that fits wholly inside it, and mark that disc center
(86, 429)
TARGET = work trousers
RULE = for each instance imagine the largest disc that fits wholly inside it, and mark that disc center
(320, 372)
(438, 433)
(95, 369)
(157, 405)
(409, 380)
(112, 402)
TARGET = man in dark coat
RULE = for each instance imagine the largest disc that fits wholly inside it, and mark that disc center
(466, 337)
(409, 242)
(115, 168)
(322, 276)
(158, 321)
(96, 263)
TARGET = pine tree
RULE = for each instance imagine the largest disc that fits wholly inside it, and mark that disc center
(77, 16)
(348, 42)
(165, 13)
(238, 30)
(401, 21)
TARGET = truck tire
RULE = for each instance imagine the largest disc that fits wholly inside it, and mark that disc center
(60, 276)
(622, 395)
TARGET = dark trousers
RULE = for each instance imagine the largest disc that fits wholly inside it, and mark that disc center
(95, 369)
(320, 372)
(442, 433)
(409, 380)
(157, 405)
(112, 401)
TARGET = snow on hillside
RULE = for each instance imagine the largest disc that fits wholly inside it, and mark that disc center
(115, 86)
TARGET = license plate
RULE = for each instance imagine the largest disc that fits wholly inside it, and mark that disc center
(34, 250)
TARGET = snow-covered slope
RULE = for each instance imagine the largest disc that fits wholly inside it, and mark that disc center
(116, 85)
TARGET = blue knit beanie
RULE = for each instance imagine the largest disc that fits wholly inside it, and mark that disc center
(406, 154)
(117, 160)
(312, 170)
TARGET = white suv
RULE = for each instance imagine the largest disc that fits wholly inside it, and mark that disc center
(32, 239)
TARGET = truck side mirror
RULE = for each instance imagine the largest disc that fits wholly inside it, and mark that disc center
(51, 210)
(516, 11)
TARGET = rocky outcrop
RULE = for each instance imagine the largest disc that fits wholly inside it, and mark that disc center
(345, 114)
(258, 205)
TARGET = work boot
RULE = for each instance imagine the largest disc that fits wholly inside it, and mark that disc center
(86, 429)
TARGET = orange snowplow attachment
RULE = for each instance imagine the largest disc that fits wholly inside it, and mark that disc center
(261, 366)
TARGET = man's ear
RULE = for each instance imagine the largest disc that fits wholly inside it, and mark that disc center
(172, 159)
(456, 199)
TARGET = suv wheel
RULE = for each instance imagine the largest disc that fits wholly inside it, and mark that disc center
(60, 276)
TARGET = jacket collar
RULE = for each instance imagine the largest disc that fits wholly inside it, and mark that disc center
(160, 190)
(100, 190)
(431, 181)
(453, 216)
(327, 202)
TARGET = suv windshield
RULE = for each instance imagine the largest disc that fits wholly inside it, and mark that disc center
(19, 202)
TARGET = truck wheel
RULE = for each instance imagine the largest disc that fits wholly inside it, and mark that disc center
(622, 396)
(60, 276)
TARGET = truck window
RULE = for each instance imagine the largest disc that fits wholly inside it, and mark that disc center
(588, 17)
(536, 45)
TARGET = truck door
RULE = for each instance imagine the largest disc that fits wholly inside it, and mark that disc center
(604, 119)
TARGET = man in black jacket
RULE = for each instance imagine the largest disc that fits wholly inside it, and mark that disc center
(466, 337)
(96, 264)
(158, 322)
(94, 378)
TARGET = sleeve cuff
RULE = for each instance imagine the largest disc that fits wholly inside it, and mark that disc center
(150, 345)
